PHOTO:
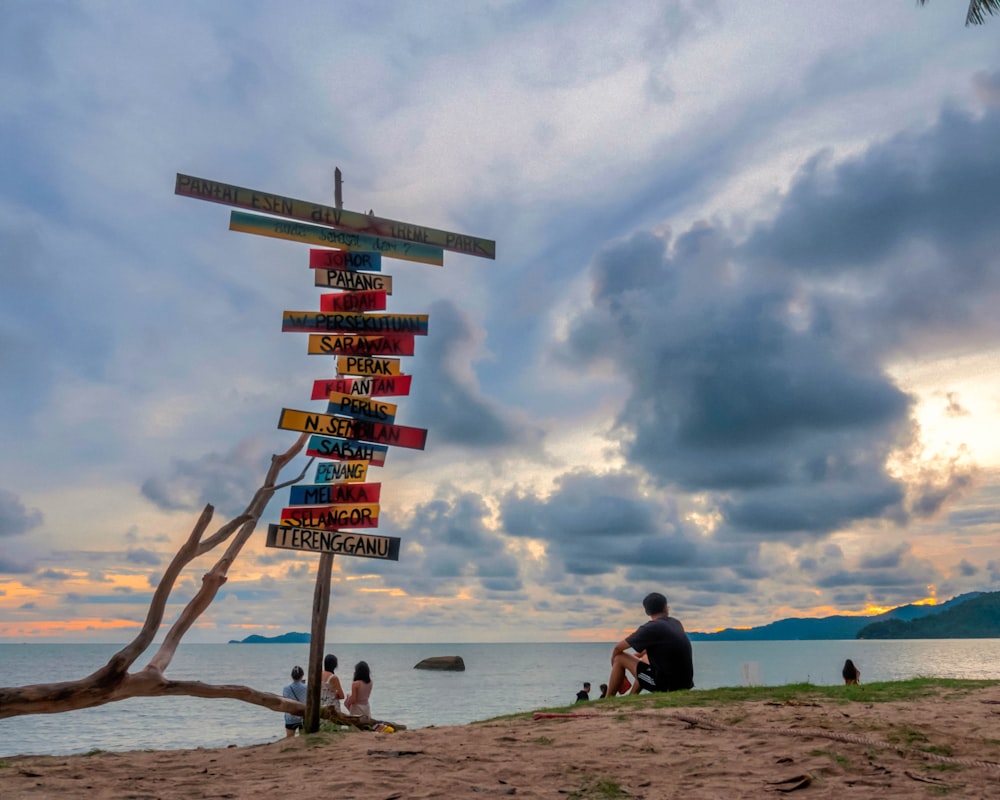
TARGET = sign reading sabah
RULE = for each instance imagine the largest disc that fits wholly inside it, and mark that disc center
(346, 428)
(341, 543)
(276, 204)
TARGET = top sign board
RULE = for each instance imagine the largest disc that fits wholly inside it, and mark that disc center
(280, 206)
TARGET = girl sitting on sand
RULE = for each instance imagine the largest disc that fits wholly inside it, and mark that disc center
(361, 690)
(331, 692)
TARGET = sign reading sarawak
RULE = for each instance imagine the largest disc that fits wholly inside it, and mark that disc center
(314, 234)
(341, 543)
(352, 301)
(318, 322)
(345, 260)
(394, 386)
(346, 428)
(362, 515)
(319, 494)
(341, 471)
(347, 344)
(346, 450)
(276, 204)
(352, 281)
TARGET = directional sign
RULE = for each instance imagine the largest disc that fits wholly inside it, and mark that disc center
(239, 197)
(336, 322)
(348, 405)
(341, 543)
(351, 281)
(345, 260)
(319, 494)
(352, 301)
(337, 471)
(314, 234)
(395, 386)
(347, 344)
(345, 428)
(367, 365)
(362, 515)
(350, 450)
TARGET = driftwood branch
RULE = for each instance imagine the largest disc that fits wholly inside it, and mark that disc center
(113, 682)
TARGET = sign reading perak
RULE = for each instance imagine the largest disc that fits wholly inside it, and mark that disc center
(341, 543)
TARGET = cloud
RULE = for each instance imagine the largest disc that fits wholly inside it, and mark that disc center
(15, 519)
(139, 555)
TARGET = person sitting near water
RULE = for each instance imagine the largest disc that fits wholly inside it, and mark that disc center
(583, 695)
(604, 690)
(331, 692)
(852, 675)
(361, 689)
(667, 647)
(296, 690)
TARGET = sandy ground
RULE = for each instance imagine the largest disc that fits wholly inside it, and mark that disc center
(948, 746)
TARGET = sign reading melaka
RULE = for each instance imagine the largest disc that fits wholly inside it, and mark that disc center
(280, 206)
(346, 428)
(352, 281)
(349, 450)
(352, 301)
(339, 471)
(346, 344)
(345, 260)
(321, 494)
(314, 234)
(338, 322)
(362, 515)
(393, 386)
(341, 543)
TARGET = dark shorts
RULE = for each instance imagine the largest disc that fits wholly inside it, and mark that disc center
(647, 679)
(295, 726)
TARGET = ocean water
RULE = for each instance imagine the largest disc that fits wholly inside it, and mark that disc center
(499, 679)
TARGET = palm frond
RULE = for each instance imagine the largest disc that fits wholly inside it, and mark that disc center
(977, 10)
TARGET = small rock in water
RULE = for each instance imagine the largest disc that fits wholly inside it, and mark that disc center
(452, 663)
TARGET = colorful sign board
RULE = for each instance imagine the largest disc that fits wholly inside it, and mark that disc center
(237, 196)
(349, 405)
(361, 515)
(337, 322)
(314, 234)
(352, 301)
(321, 494)
(345, 260)
(346, 428)
(352, 281)
(394, 386)
(368, 365)
(341, 543)
(338, 471)
(347, 344)
(349, 450)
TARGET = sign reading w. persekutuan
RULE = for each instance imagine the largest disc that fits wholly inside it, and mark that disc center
(343, 322)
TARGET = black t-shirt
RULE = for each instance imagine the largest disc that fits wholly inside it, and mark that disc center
(669, 651)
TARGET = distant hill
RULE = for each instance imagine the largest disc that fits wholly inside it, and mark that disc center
(285, 638)
(978, 618)
(836, 627)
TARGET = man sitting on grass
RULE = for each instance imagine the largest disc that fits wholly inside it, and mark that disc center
(666, 646)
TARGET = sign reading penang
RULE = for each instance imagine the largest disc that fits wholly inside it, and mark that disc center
(339, 543)
(278, 205)
(346, 428)
(313, 234)
(340, 471)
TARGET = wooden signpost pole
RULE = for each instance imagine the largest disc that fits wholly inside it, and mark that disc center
(321, 595)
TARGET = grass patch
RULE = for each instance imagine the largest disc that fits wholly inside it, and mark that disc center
(5, 764)
(542, 740)
(598, 788)
(95, 752)
(837, 758)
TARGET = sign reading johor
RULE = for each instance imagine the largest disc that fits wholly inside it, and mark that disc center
(314, 234)
(346, 428)
(317, 322)
(352, 281)
(278, 205)
(345, 260)
(393, 386)
(340, 543)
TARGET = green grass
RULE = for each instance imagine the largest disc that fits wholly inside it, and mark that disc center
(598, 788)
(883, 692)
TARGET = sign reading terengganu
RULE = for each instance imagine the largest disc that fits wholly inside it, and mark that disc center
(341, 543)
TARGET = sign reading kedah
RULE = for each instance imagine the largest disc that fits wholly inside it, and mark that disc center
(341, 543)
(352, 301)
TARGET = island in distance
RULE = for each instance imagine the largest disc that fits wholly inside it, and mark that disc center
(285, 638)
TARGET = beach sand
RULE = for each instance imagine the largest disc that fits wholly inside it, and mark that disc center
(944, 746)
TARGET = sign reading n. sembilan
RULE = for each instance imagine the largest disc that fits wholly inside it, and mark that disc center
(276, 204)
(340, 543)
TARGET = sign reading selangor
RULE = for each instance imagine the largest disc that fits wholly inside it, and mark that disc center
(339, 543)
(237, 196)
(361, 515)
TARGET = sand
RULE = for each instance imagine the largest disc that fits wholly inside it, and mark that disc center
(946, 746)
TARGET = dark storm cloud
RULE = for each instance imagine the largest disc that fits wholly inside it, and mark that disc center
(140, 555)
(451, 404)
(15, 519)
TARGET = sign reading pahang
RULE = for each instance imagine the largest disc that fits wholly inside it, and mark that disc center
(346, 428)
(352, 281)
(280, 206)
(339, 543)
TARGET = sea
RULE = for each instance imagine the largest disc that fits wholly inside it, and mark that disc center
(499, 679)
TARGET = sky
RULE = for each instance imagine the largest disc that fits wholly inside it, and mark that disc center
(739, 343)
